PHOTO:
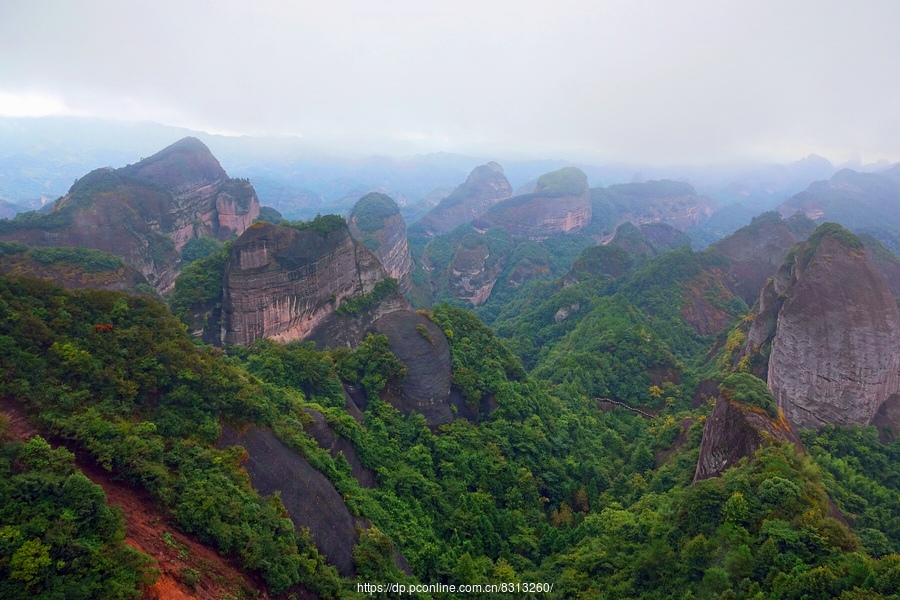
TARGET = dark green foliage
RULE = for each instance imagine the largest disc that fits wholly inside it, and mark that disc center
(58, 538)
(372, 364)
(143, 401)
(371, 211)
(92, 261)
(568, 181)
(747, 389)
(322, 224)
(383, 289)
(269, 215)
(10, 248)
(199, 286)
(198, 248)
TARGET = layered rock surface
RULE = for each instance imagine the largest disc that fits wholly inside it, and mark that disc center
(561, 203)
(145, 212)
(485, 187)
(734, 431)
(287, 284)
(376, 222)
(835, 333)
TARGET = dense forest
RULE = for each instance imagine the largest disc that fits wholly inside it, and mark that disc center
(552, 485)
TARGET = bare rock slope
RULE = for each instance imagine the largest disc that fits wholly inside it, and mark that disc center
(485, 187)
(376, 222)
(288, 284)
(835, 333)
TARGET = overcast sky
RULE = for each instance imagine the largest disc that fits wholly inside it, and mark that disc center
(664, 82)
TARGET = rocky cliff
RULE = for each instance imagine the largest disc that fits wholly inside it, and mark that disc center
(834, 331)
(672, 202)
(734, 431)
(70, 267)
(376, 222)
(757, 250)
(145, 212)
(287, 284)
(862, 202)
(561, 203)
(485, 187)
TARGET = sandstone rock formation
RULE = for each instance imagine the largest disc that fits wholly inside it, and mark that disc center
(145, 212)
(561, 203)
(309, 497)
(861, 202)
(671, 202)
(835, 333)
(485, 186)
(734, 431)
(757, 250)
(288, 284)
(320, 430)
(423, 348)
(376, 222)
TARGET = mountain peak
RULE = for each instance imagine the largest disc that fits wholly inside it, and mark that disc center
(186, 163)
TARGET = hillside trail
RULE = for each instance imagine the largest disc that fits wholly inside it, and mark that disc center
(179, 557)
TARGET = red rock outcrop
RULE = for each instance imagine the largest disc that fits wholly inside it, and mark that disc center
(485, 187)
(146, 212)
(376, 222)
(287, 284)
(561, 203)
(835, 340)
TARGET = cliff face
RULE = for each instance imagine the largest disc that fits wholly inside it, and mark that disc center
(309, 497)
(561, 203)
(671, 202)
(146, 212)
(283, 283)
(376, 222)
(757, 250)
(485, 187)
(734, 431)
(835, 351)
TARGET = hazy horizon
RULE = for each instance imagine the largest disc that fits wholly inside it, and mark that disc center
(693, 83)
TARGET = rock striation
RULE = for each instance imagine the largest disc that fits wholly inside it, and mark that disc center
(376, 222)
(561, 203)
(288, 284)
(485, 187)
(834, 331)
(145, 212)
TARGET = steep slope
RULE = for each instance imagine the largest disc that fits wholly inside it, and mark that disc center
(146, 212)
(560, 203)
(672, 202)
(376, 222)
(70, 267)
(862, 202)
(650, 239)
(287, 284)
(743, 419)
(485, 186)
(834, 330)
(758, 249)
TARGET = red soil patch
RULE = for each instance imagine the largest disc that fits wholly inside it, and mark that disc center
(179, 557)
